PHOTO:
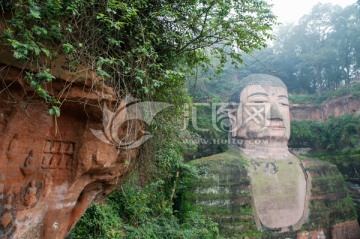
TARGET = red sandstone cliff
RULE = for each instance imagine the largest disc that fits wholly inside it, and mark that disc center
(345, 105)
(52, 169)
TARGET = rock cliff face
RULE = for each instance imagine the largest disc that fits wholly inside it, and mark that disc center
(345, 230)
(336, 107)
(224, 194)
(52, 169)
(331, 206)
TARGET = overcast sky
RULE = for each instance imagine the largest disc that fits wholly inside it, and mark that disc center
(292, 10)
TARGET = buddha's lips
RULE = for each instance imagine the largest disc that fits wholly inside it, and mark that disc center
(276, 125)
(276, 128)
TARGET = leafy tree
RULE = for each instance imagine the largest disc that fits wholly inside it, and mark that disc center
(140, 46)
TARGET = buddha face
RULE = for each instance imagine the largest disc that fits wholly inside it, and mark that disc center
(263, 113)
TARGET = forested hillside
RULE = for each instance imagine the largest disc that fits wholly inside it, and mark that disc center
(319, 53)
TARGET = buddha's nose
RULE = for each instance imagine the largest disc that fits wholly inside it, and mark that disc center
(275, 113)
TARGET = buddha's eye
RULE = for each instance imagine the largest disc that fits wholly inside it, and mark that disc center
(258, 100)
(284, 104)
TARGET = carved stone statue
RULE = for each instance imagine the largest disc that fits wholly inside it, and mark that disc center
(54, 168)
(30, 197)
(262, 118)
(259, 180)
(262, 126)
(7, 217)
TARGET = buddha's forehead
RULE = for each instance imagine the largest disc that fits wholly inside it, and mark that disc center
(254, 81)
(261, 90)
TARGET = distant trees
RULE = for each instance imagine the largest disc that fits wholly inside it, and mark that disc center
(321, 52)
(332, 135)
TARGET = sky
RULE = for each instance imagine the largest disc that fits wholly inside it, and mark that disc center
(290, 11)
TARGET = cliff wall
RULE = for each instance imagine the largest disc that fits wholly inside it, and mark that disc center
(52, 169)
(224, 194)
(336, 107)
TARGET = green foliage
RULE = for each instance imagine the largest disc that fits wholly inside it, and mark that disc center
(210, 129)
(145, 212)
(336, 141)
(99, 221)
(148, 203)
(347, 160)
(319, 52)
(142, 47)
(329, 212)
(36, 81)
(328, 95)
(333, 134)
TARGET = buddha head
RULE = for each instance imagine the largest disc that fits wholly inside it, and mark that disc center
(260, 112)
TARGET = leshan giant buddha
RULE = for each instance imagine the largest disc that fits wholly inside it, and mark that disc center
(262, 122)
(259, 187)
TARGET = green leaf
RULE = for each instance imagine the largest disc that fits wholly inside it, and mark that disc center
(139, 79)
(36, 51)
(34, 83)
(19, 55)
(103, 73)
(8, 33)
(46, 51)
(68, 48)
(41, 91)
(39, 31)
(56, 110)
(34, 12)
(14, 43)
(45, 76)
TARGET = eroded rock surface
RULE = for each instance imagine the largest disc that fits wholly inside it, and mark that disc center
(336, 107)
(52, 169)
(224, 192)
(330, 203)
(346, 230)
